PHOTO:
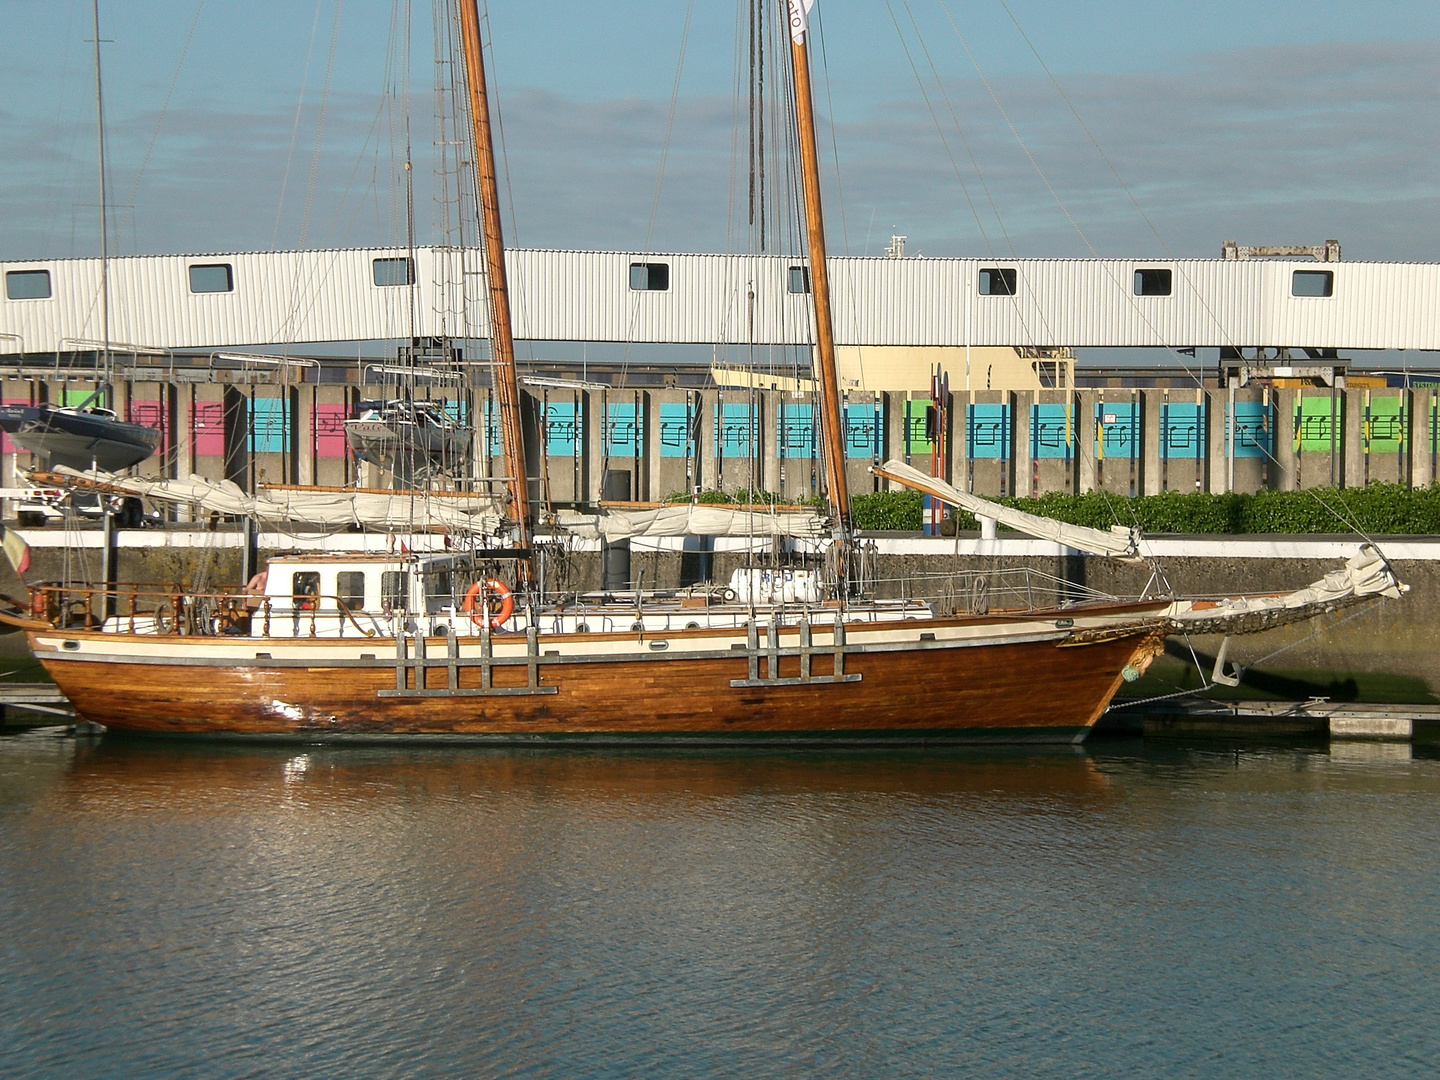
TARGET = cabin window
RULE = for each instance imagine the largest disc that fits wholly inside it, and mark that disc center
(211, 278)
(1152, 282)
(438, 585)
(27, 284)
(650, 277)
(799, 279)
(393, 272)
(394, 590)
(997, 281)
(305, 589)
(350, 588)
(1313, 283)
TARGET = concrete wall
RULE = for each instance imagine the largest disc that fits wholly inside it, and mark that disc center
(1121, 440)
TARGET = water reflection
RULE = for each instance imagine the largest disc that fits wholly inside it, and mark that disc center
(214, 910)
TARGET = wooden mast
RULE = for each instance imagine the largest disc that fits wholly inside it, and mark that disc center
(826, 378)
(502, 341)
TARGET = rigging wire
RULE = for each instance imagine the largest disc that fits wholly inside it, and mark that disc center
(295, 125)
(159, 120)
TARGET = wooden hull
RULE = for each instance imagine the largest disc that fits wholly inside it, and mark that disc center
(932, 681)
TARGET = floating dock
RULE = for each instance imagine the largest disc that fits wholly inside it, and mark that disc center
(1316, 718)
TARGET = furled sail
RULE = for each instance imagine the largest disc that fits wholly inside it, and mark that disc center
(1365, 575)
(692, 519)
(327, 508)
(1119, 543)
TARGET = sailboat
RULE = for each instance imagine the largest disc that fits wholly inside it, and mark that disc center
(411, 440)
(437, 645)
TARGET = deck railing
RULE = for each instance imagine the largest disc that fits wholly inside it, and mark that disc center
(184, 612)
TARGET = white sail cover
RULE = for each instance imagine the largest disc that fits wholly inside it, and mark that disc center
(1366, 574)
(799, 18)
(314, 507)
(1119, 543)
(691, 519)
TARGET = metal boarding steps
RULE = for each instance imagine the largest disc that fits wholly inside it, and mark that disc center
(413, 662)
(411, 656)
(772, 653)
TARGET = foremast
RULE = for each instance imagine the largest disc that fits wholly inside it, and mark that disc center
(502, 339)
(827, 380)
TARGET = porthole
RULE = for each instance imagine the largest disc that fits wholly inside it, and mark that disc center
(582, 628)
(692, 625)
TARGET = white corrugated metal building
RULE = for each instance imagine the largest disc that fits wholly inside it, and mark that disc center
(171, 302)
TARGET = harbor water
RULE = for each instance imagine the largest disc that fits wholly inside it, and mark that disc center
(1129, 909)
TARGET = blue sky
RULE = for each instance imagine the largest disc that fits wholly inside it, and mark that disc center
(1267, 122)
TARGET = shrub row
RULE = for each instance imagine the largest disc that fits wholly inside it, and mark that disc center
(1377, 509)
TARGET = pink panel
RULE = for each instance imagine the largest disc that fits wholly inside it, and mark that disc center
(6, 446)
(152, 414)
(207, 428)
(330, 431)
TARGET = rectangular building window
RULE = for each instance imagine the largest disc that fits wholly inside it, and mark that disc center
(799, 279)
(1313, 283)
(27, 284)
(998, 281)
(649, 277)
(1152, 282)
(211, 278)
(390, 272)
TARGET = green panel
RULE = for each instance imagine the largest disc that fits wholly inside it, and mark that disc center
(1385, 425)
(916, 440)
(1313, 433)
(72, 397)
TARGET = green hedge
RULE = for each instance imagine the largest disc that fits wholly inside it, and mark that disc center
(1377, 509)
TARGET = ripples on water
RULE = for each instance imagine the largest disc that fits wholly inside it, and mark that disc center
(209, 911)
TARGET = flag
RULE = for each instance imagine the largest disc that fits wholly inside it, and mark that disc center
(16, 550)
(800, 18)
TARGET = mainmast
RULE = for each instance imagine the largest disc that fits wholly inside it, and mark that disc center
(826, 379)
(502, 340)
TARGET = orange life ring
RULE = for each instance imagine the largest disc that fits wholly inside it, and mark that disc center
(494, 589)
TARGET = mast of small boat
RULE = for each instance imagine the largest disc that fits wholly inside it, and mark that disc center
(826, 379)
(502, 341)
(104, 211)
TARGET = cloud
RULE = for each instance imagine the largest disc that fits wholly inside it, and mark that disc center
(1284, 145)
